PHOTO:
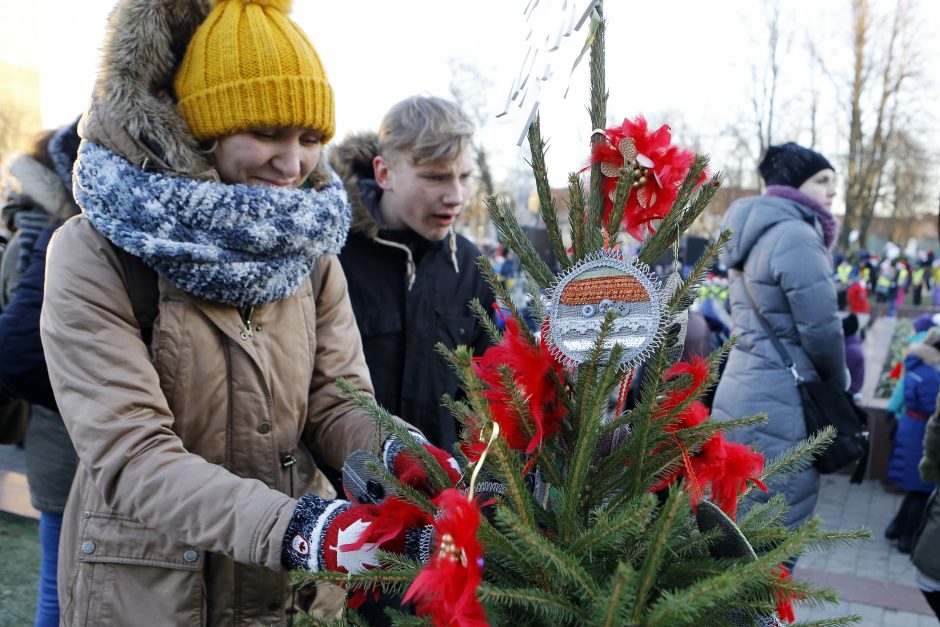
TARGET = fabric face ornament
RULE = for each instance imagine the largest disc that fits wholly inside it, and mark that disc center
(580, 301)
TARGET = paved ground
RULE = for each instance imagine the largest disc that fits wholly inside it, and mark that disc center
(874, 580)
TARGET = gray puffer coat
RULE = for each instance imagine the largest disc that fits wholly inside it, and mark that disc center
(777, 251)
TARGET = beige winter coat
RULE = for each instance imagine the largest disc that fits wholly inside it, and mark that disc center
(185, 484)
(182, 450)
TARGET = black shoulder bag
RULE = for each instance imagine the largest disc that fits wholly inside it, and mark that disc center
(824, 404)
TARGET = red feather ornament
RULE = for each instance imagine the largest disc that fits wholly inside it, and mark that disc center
(530, 366)
(785, 599)
(446, 588)
(659, 167)
(727, 467)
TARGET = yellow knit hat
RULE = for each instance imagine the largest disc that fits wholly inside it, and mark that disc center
(249, 65)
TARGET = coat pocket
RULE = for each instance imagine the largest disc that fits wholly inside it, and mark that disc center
(126, 571)
(454, 329)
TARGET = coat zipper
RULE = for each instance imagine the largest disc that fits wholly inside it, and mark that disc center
(246, 315)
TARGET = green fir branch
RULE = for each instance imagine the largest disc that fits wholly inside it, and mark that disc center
(518, 402)
(544, 189)
(617, 605)
(669, 518)
(609, 530)
(621, 193)
(388, 424)
(507, 225)
(681, 216)
(486, 320)
(577, 217)
(598, 108)
(694, 280)
(499, 550)
(503, 297)
(554, 609)
(505, 466)
(842, 621)
(797, 458)
(553, 558)
(403, 619)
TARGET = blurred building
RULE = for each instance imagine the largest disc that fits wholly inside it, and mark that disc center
(19, 75)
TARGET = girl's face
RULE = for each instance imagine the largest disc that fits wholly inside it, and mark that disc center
(821, 187)
(270, 155)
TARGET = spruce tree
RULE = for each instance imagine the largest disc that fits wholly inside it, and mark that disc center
(589, 513)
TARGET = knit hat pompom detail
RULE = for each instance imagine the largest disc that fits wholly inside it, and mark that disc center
(249, 66)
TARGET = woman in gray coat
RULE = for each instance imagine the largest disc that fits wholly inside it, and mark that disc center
(780, 255)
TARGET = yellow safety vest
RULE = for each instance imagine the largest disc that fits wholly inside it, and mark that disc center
(845, 273)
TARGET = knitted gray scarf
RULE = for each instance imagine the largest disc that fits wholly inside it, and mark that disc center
(241, 245)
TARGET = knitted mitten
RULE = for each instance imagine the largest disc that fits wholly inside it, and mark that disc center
(29, 224)
(408, 469)
(341, 537)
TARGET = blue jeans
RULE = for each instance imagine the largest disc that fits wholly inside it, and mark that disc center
(47, 607)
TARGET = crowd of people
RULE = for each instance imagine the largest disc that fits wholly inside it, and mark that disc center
(192, 270)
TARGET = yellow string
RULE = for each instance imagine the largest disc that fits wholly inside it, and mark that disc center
(479, 464)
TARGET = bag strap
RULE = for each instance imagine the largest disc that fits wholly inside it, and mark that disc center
(778, 345)
(140, 281)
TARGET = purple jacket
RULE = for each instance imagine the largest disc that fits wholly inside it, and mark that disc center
(855, 361)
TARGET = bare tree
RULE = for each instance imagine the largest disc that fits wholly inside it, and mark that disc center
(764, 100)
(468, 88)
(906, 183)
(879, 79)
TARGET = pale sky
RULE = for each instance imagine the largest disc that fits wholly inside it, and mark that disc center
(687, 60)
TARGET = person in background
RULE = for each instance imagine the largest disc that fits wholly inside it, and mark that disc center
(42, 179)
(780, 261)
(903, 283)
(886, 285)
(411, 276)
(925, 555)
(854, 356)
(920, 281)
(195, 323)
(857, 300)
(844, 277)
(921, 384)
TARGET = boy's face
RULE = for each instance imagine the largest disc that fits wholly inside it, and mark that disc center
(425, 198)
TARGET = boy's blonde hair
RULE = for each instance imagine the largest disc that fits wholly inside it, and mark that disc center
(425, 129)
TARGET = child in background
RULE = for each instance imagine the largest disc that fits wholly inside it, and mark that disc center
(854, 357)
(921, 383)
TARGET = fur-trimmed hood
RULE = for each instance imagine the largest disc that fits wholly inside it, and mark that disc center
(352, 158)
(926, 350)
(34, 183)
(133, 110)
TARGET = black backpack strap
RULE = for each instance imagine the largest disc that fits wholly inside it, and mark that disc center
(140, 281)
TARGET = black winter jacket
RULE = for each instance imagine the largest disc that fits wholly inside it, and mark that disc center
(400, 327)
(22, 362)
